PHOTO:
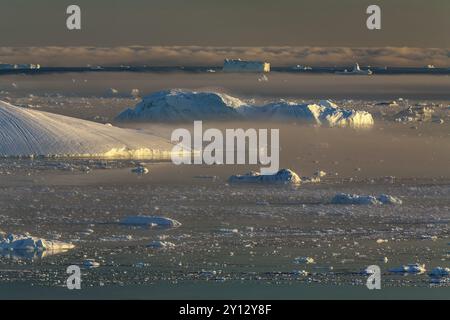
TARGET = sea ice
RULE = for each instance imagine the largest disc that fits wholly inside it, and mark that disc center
(150, 221)
(283, 176)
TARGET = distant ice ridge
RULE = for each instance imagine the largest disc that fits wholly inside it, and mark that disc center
(25, 242)
(185, 105)
(343, 198)
(283, 176)
(25, 132)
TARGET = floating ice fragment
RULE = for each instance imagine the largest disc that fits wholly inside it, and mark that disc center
(140, 170)
(410, 268)
(283, 176)
(343, 198)
(91, 263)
(439, 272)
(150, 221)
(306, 260)
(161, 245)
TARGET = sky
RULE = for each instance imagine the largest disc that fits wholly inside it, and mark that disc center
(221, 27)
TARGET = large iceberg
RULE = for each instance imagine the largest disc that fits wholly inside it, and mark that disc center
(283, 176)
(185, 105)
(25, 132)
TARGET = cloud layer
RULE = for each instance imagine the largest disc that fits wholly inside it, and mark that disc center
(202, 56)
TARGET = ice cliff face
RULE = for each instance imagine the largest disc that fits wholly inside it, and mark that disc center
(25, 132)
(184, 105)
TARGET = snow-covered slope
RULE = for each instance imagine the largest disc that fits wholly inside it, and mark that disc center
(185, 105)
(25, 132)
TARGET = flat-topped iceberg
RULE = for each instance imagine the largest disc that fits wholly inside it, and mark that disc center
(28, 243)
(344, 198)
(26, 132)
(152, 221)
(185, 105)
(283, 176)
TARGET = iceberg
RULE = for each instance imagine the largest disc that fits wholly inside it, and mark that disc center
(283, 176)
(344, 198)
(150, 221)
(324, 112)
(185, 105)
(14, 242)
(25, 132)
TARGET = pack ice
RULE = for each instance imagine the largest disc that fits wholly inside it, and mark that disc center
(283, 176)
(185, 105)
(25, 132)
(29, 243)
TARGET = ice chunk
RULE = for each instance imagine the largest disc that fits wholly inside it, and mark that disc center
(150, 221)
(410, 268)
(387, 199)
(283, 176)
(304, 260)
(439, 272)
(161, 245)
(343, 198)
(140, 170)
(91, 263)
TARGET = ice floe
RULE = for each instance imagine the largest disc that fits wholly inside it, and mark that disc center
(26, 132)
(283, 176)
(344, 198)
(152, 221)
(186, 105)
(28, 243)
